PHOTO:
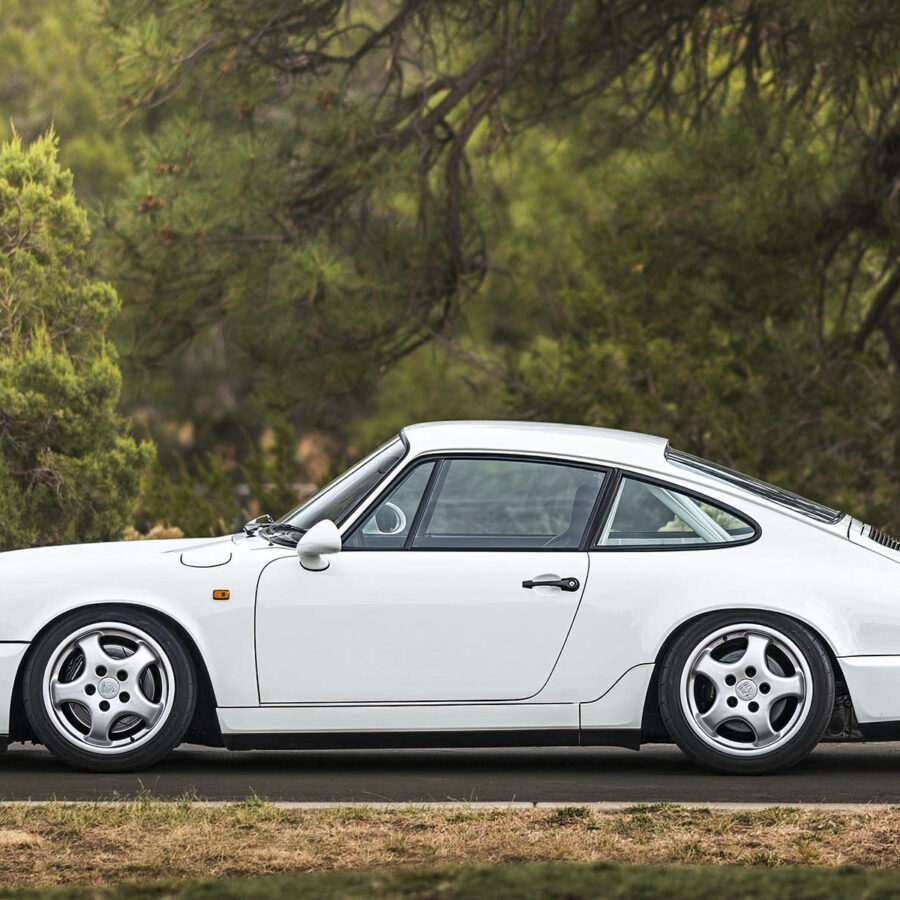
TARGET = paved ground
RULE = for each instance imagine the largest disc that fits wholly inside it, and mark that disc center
(845, 773)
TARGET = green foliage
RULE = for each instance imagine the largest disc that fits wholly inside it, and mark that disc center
(518, 881)
(204, 500)
(68, 468)
(731, 282)
(300, 218)
(54, 74)
(334, 218)
(200, 501)
(273, 267)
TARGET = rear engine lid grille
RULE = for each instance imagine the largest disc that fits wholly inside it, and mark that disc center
(884, 539)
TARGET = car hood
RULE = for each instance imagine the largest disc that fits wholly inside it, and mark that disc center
(189, 549)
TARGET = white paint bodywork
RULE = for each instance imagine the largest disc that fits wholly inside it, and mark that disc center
(441, 627)
(402, 641)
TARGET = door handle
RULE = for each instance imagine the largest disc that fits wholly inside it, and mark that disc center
(564, 584)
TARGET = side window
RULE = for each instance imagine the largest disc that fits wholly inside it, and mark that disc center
(501, 504)
(649, 515)
(388, 526)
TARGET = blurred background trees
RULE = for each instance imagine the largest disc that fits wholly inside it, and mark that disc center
(69, 469)
(327, 219)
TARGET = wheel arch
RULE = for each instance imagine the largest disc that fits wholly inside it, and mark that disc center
(204, 727)
(653, 728)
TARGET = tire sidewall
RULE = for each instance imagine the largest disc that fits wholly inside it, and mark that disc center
(808, 733)
(168, 736)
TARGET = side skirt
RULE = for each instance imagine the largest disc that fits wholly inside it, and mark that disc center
(384, 740)
(880, 731)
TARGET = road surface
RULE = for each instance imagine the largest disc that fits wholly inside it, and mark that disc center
(844, 773)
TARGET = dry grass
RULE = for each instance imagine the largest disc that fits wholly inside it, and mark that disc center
(97, 844)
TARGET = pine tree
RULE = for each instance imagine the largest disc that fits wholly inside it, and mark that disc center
(54, 73)
(69, 469)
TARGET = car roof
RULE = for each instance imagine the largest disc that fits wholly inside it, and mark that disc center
(625, 449)
(581, 441)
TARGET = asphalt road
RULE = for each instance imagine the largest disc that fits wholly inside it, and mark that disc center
(836, 773)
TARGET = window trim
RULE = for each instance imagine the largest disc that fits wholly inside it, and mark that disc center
(439, 472)
(426, 503)
(384, 478)
(772, 493)
(622, 474)
(383, 494)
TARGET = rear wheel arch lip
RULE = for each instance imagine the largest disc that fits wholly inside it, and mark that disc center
(686, 623)
(205, 711)
(651, 710)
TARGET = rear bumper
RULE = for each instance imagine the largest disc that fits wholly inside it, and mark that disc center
(10, 659)
(874, 684)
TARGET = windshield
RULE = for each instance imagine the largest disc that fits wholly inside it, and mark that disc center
(342, 494)
(755, 486)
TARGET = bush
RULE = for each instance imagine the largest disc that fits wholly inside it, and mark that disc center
(69, 468)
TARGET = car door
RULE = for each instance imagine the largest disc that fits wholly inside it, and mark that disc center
(459, 584)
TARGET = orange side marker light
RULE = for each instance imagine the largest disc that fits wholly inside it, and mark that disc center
(221, 595)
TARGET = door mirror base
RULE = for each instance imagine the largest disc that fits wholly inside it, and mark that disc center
(314, 563)
(323, 539)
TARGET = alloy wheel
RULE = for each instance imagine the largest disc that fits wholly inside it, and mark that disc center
(108, 688)
(746, 689)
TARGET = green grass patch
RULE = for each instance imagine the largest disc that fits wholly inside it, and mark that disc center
(566, 881)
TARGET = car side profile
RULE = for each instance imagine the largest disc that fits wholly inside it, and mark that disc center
(471, 584)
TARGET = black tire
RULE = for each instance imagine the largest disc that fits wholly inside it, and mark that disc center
(156, 742)
(675, 702)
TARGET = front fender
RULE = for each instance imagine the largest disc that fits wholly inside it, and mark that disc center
(44, 584)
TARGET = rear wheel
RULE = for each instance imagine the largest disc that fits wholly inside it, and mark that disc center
(110, 689)
(746, 692)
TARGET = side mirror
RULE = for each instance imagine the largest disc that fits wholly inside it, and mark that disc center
(321, 540)
(389, 518)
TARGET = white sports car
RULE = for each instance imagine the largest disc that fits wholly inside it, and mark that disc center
(471, 584)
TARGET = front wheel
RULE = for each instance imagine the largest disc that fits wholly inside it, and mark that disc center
(110, 689)
(745, 692)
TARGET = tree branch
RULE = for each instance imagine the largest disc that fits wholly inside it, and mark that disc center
(879, 304)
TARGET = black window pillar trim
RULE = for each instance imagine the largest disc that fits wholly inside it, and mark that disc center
(602, 504)
(435, 479)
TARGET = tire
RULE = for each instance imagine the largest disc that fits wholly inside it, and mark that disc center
(110, 689)
(746, 692)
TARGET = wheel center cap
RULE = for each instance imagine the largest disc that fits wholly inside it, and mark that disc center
(746, 689)
(108, 688)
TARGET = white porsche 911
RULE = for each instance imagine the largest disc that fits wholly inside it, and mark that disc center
(471, 584)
